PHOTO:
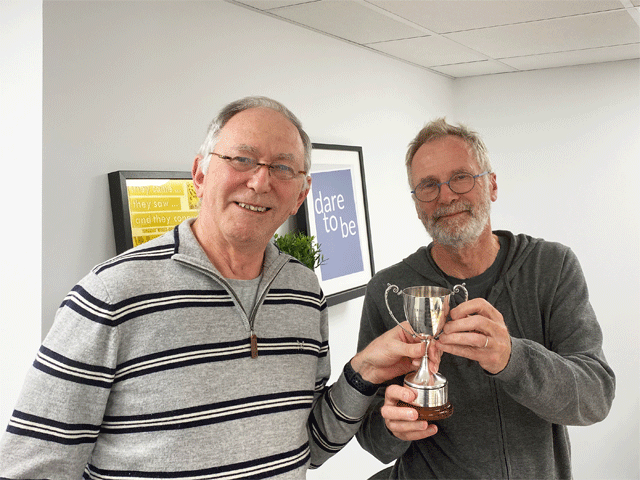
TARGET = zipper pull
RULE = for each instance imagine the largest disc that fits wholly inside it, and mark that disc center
(254, 345)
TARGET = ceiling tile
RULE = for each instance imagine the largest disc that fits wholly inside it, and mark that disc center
(271, 4)
(442, 16)
(572, 33)
(473, 37)
(579, 57)
(428, 51)
(487, 67)
(348, 20)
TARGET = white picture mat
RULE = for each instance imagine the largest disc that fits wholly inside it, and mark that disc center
(324, 160)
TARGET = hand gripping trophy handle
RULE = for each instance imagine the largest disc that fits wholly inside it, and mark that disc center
(426, 309)
(456, 289)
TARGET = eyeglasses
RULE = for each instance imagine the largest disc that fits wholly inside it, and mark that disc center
(276, 170)
(459, 183)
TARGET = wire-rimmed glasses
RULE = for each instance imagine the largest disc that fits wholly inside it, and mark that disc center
(459, 183)
(276, 170)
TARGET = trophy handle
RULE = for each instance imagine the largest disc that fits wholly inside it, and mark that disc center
(386, 300)
(456, 289)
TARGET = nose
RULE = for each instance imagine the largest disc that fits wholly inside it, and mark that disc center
(446, 194)
(260, 179)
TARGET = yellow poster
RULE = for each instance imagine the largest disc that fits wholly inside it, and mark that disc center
(156, 206)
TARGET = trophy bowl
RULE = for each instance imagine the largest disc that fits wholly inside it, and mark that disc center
(426, 308)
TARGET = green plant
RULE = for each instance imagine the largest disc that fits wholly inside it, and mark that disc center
(301, 246)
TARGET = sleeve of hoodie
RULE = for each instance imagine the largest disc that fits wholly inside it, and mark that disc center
(564, 378)
(373, 434)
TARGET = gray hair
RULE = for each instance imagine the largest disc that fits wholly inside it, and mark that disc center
(238, 106)
(439, 128)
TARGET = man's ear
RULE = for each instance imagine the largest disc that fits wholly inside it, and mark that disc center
(303, 194)
(493, 187)
(197, 175)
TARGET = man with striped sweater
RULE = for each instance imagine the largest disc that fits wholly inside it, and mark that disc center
(202, 353)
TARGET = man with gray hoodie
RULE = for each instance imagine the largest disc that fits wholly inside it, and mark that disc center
(523, 357)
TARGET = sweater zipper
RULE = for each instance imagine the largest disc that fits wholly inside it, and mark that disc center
(252, 334)
(252, 318)
(503, 443)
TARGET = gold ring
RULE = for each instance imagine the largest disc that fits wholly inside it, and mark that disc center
(486, 342)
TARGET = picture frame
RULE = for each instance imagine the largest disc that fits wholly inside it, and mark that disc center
(336, 214)
(146, 204)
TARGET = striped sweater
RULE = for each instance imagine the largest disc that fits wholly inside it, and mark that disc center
(147, 372)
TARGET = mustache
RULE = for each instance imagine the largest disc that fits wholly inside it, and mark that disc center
(451, 209)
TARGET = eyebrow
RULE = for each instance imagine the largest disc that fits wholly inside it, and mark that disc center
(289, 157)
(433, 178)
(247, 149)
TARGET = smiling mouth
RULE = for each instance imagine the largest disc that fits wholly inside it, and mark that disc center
(253, 208)
(454, 214)
(450, 215)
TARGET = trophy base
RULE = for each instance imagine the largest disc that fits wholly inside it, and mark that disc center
(430, 414)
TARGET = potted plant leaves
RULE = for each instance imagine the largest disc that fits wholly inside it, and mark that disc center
(301, 246)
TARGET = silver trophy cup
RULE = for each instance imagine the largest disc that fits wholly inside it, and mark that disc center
(426, 309)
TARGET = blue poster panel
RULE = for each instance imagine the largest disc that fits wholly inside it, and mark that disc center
(334, 210)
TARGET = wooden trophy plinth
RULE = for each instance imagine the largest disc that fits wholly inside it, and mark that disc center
(430, 414)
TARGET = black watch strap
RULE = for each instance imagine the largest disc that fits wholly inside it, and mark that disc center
(356, 381)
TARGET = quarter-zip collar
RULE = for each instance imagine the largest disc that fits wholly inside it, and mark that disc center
(189, 252)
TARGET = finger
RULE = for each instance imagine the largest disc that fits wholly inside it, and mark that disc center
(434, 355)
(415, 436)
(433, 350)
(475, 325)
(406, 346)
(408, 430)
(477, 306)
(401, 415)
(406, 332)
(395, 343)
(464, 338)
(434, 366)
(403, 421)
(474, 346)
(394, 393)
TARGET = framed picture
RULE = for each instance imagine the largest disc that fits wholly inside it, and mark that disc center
(145, 205)
(336, 213)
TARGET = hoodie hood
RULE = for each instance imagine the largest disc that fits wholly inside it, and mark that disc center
(518, 249)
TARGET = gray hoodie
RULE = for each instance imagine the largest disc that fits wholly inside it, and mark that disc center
(513, 424)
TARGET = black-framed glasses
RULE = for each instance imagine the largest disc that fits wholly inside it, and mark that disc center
(459, 183)
(276, 170)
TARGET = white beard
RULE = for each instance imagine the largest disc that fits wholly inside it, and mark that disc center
(460, 232)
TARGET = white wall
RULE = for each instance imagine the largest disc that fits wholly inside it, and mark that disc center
(133, 85)
(20, 195)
